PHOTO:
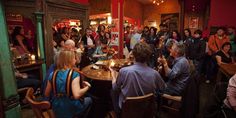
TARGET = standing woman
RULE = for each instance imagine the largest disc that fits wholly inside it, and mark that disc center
(68, 89)
(175, 36)
(187, 36)
(19, 40)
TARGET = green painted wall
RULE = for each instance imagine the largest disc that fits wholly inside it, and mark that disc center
(7, 78)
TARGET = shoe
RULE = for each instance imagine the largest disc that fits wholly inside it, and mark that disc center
(207, 81)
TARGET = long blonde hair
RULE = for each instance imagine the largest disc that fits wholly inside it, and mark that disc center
(65, 59)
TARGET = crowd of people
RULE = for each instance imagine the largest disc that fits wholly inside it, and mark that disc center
(173, 56)
(163, 63)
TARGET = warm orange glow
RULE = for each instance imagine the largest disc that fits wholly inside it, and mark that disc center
(112, 63)
(32, 57)
(158, 2)
(72, 23)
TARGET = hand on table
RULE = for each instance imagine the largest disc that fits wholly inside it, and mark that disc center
(114, 74)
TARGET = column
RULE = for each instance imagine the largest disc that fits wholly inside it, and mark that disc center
(40, 40)
(10, 98)
(182, 15)
(118, 13)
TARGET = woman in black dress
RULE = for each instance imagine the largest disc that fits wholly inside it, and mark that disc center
(224, 56)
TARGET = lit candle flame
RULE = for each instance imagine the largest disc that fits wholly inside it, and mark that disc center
(32, 57)
(112, 63)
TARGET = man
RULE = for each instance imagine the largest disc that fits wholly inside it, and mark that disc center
(89, 42)
(127, 37)
(163, 32)
(196, 50)
(135, 38)
(180, 72)
(137, 79)
(216, 41)
(69, 44)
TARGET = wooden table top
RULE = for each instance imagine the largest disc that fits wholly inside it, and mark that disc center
(228, 69)
(28, 63)
(103, 74)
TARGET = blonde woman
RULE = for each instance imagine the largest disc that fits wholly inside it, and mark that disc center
(67, 88)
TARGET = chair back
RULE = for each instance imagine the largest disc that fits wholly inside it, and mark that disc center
(39, 108)
(139, 107)
(190, 97)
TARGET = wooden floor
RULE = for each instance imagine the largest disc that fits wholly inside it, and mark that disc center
(99, 110)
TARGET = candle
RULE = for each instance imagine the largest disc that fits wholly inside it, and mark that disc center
(32, 57)
(112, 63)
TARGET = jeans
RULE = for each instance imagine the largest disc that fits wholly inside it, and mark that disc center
(115, 102)
(31, 81)
(86, 107)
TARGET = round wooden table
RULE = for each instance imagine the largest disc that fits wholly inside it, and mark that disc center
(101, 82)
(103, 73)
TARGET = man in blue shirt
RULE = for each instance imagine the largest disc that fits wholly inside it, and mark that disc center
(137, 79)
(180, 72)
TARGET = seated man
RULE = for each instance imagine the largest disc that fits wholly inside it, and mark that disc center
(180, 72)
(25, 80)
(137, 79)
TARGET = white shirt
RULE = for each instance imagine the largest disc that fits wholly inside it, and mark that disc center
(89, 41)
(134, 39)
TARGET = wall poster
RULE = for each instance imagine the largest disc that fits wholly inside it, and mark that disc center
(171, 20)
(193, 22)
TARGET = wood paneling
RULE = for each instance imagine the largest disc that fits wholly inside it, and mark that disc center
(56, 10)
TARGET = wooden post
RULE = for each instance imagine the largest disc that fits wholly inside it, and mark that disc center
(40, 40)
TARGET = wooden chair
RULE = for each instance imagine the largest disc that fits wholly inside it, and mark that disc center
(176, 101)
(139, 107)
(42, 108)
(187, 104)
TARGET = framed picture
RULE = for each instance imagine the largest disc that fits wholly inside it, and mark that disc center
(193, 22)
(14, 17)
(171, 20)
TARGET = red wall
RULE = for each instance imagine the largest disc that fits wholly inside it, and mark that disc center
(80, 1)
(222, 13)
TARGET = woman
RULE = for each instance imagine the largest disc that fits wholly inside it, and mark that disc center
(67, 101)
(176, 36)
(108, 38)
(65, 34)
(152, 36)
(187, 36)
(101, 52)
(224, 56)
(19, 40)
(102, 37)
